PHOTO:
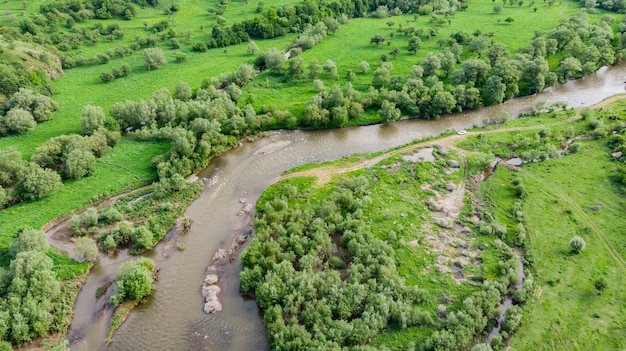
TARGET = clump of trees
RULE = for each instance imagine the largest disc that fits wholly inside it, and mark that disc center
(134, 280)
(312, 295)
(21, 180)
(22, 112)
(31, 303)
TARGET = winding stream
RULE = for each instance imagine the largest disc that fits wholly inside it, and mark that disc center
(173, 319)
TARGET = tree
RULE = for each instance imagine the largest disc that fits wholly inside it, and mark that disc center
(183, 91)
(494, 91)
(134, 280)
(431, 65)
(86, 249)
(364, 67)
(275, 60)
(569, 67)
(600, 284)
(18, 121)
(40, 106)
(296, 66)
(11, 165)
(377, 39)
(36, 183)
(29, 240)
(381, 77)
(154, 57)
(79, 163)
(577, 244)
(388, 112)
(480, 44)
(315, 69)
(252, 48)
(331, 68)
(414, 44)
(91, 119)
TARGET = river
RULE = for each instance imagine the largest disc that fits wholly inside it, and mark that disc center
(173, 319)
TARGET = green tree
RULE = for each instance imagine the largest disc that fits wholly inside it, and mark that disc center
(134, 280)
(577, 244)
(315, 69)
(296, 66)
(29, 240)
(388, 112)
(18, 121)
(182, 91)
(275, 60)
(86, 249)
(91, 119)
(36, 183)
(11, 165)
(79, 163)
(431, 65)
(252, 48)
(377, 39)
(364, 67)
(154, 57)
(331, 68)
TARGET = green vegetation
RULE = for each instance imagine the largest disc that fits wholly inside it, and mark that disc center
(237, 68)
(577, 301)
(134, 281)
(367, 258)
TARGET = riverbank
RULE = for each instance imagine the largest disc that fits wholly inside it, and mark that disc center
(238, 174)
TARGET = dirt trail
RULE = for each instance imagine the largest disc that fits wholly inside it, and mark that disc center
(325, 174)
(582, 214)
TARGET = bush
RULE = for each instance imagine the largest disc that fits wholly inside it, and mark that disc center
(600, 284)
(91, 119)
(154, 57)
(37, 183)
(134, 280)
(577, 244)
(86, 249)
(19, 121)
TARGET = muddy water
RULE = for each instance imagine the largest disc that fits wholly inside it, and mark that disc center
(173, 320)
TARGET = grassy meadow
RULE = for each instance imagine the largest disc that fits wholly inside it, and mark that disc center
(574, 195)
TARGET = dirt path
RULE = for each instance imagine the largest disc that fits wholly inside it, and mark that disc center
(589, 222)
(325, 174)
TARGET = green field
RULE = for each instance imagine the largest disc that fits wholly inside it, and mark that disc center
(575, 195)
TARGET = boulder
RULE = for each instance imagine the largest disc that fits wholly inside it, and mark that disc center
(451, 186)
(211, 279)
(210, 291)
(212, 307)
(220, 255)
(454, 163)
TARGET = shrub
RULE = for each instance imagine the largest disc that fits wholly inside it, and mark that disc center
(134, 280)
(154, 57)
(86, 249)
(19, 121)
(577, 244)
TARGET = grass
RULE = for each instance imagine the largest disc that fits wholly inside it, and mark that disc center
(567, 312)
(566, 197)
(125, 167)
(398, 215)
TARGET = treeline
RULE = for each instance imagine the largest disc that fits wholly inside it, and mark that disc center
(197, 126)
(442, 83)
(32, 301)
(278, 21)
